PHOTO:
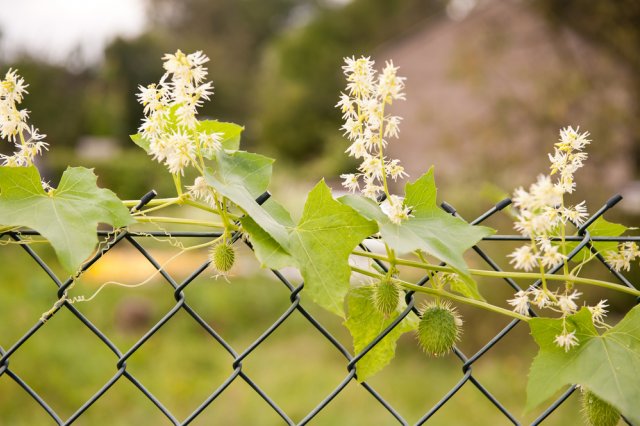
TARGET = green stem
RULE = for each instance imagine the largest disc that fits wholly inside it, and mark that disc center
(381, 153)
(178, 184)
(154, 202)
(200, 206)
(502, 274)
(443, 293)
(159, 206)
(153, 219)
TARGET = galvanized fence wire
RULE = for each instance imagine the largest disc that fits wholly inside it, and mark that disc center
(113, 239)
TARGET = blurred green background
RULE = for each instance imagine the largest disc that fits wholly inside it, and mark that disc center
(489, 83)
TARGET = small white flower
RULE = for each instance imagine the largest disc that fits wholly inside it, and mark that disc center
(567, 304)
(551, 257)
(572, 139)
(394, 169)
(372, 166)
(566, 340)
(540, 298)
(524, 258)
(357, 149)
(599, 311)
(544, 242)
(520, 302)
(545, 193)
(201, 190)
(13, 87)
(390, 86)
(395, 209)
(210, 143)
(576, 214)
(392, 127)
(622, 258)
(350, 181)
(180, 151)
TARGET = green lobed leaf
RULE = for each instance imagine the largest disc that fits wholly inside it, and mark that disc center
(244, 169)
(67, 216)
(430, 229)
(270, 254)
(242, 176)
(321, 243)
(365, 323)
(608, 364)
(437, 233)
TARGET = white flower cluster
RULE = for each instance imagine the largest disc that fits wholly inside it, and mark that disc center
(369, 129)
(622, 258)
(542, 213)
(564, 303)
(13, 123)
(170, 108)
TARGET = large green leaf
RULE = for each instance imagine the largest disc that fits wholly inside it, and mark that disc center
(241, 176)
(230, 139)
(244, 169)
(321, 243)
(365, 323)
(268, 251)
(608, 364)
(430, 229)
(67, 216)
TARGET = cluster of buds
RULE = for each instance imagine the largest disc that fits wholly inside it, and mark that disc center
(621, 259)
(563, 303)
(369, 130)
(13, 123)
(541, 211)
(542, 216)
(170, 108)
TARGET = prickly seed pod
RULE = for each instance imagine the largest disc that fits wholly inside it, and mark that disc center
(386, 296)
(439, 328)
(598, 412)
(222, 255)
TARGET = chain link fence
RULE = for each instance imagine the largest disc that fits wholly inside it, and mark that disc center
(236, 357)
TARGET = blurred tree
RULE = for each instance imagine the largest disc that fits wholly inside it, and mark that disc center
(301, 72)
(615, 25)
(232, 33)
(128, 64)
(55, 99)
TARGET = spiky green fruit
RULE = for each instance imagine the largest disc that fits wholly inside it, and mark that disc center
(223, 256)
(598, 412)
(439, 328)
(386, 296)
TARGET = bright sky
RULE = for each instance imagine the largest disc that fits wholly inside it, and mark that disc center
(52, 29)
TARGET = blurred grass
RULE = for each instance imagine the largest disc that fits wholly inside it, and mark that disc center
(181, 364)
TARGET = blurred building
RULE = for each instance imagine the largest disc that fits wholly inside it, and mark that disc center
(487, 94)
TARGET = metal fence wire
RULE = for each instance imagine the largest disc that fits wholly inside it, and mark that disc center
(236, 357)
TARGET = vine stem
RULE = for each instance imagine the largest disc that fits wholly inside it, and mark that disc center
(143, 282)
(153, 219)
(152, 203)
(500, 274)
(443, 293)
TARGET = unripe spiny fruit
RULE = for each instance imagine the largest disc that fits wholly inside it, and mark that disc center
(386, 296)
(222, 255)
(439, 328)
(598, 412)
